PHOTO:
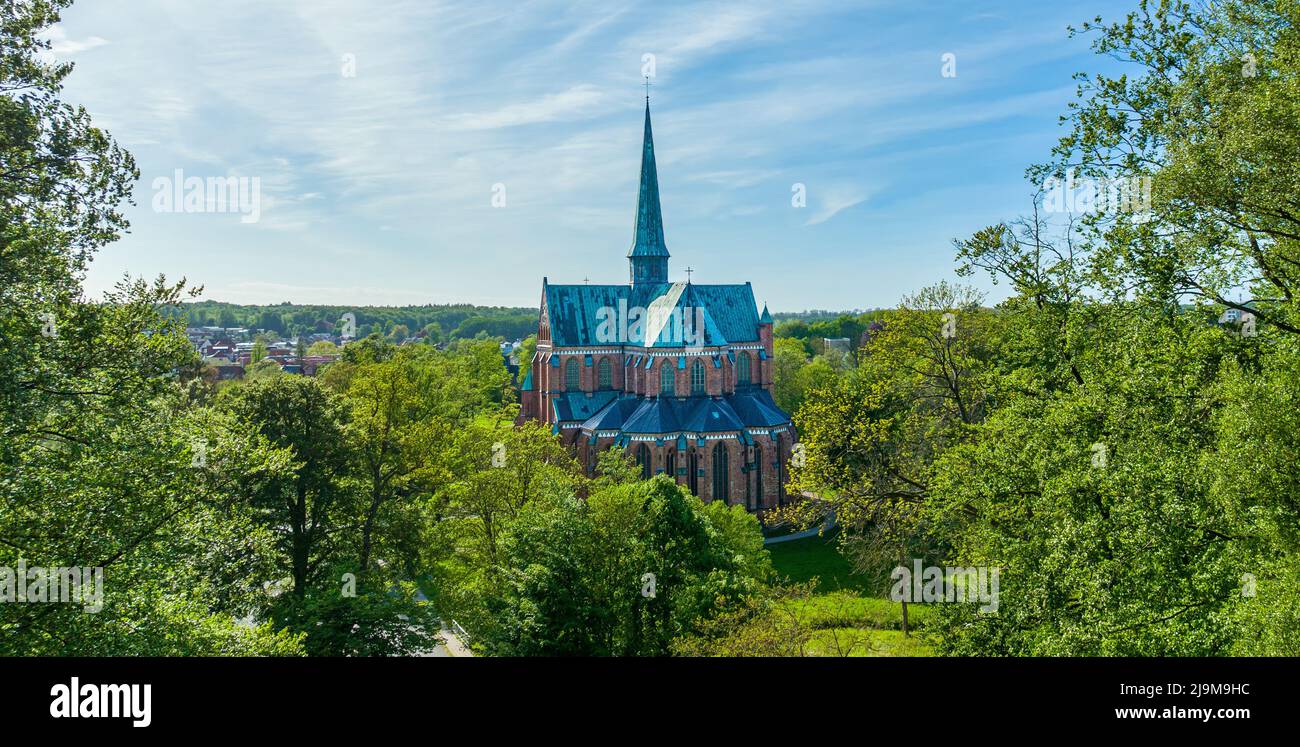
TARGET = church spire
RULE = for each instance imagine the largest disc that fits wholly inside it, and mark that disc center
(648, 256)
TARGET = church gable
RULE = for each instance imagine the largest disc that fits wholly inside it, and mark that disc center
(579, 314)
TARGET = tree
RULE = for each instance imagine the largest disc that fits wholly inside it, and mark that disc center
(263, 369)
(307, 506)
(872, 437)
(1124, 480)
(397, 435)
(614, 466)
(624, 573)
(1208, 113)
(322, 347)
(788, 359)
(99, 464)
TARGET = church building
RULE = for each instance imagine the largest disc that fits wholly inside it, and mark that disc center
(679, 374)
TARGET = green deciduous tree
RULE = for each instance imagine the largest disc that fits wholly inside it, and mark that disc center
(100, 464)
(624, 573)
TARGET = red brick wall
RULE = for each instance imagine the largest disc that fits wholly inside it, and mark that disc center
(548, 379)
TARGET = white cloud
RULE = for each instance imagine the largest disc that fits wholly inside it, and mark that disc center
(60, 44)
(579, 102)
(833, 200)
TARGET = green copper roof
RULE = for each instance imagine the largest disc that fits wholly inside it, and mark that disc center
(648, 238)
(576, 312)
(766, 318)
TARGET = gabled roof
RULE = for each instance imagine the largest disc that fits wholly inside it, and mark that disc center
(654, 415)
(613, 415)
(661, 415)
(631, 414)
(681, 318)
(711, 414)
(570, 406)
(757, 408)
(575, 312)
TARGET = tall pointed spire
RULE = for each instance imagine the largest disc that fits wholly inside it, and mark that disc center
(648, 256)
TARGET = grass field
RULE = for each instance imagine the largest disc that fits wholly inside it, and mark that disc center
(815, 557)
(846, 621)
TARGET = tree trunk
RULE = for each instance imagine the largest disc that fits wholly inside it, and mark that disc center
(301, 543)
(367, 529)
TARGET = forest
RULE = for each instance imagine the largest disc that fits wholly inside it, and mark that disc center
(1118, 436)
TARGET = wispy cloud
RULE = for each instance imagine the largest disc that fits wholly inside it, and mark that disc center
(833, 200)
(390, 171)
(61, 44)
(579, 102)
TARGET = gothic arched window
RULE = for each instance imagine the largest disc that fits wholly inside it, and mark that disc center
(667, 379)
(692, 471)
(742, 368)
(697, 378)
(604, 375)
(643, 456)
(572, 381)
(720, 473)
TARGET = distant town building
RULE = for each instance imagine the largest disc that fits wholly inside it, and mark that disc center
(837, 346)
(228, 371)
(510, 357)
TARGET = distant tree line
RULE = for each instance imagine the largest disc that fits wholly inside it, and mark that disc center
(439, 322)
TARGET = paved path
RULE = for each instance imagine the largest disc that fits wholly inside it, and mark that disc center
(451, 643)
(796, 536)
(826, 526)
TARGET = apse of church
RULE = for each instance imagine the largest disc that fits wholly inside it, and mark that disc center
(678, 374)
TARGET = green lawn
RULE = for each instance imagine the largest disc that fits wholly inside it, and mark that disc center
(847, 622)
(845, 609)
(803, 559)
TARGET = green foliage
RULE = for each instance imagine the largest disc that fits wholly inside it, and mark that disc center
(866, 642)
(100, 462)
(614, 466)
(1127, 463)
(576, 572)
(374, 623)
(322, 347)
(379, 446)
(795, 621)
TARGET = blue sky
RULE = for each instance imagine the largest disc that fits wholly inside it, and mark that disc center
(376, 188)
